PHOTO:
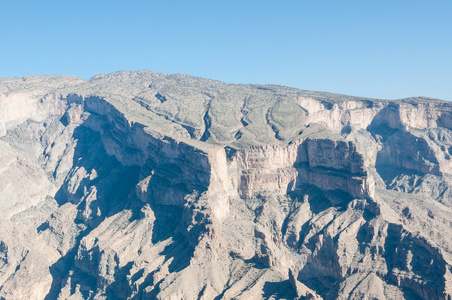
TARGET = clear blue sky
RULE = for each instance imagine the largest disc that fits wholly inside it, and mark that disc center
(382, 49)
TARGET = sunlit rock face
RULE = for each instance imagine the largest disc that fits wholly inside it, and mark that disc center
(144, 185)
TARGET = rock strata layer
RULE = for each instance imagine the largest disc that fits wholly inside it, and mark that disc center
(141, 185)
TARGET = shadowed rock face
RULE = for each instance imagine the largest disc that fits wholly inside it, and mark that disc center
(144, 185)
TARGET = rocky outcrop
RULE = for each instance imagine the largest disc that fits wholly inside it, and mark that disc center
(155, 186)
(327, 164)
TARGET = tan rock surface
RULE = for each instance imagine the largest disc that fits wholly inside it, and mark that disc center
(141, 185)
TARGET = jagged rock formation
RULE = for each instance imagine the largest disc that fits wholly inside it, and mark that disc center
(144, 185)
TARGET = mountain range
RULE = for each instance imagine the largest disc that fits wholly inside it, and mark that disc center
(143, 185)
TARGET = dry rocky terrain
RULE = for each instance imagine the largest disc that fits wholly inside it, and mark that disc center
(142, 185)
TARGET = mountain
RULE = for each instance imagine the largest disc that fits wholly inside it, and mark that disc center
(142, 185)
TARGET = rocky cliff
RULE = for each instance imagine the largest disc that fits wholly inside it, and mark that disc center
(144, 185)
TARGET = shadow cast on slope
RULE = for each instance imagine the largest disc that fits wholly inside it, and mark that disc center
(279, 290)
(113, 184)
(114, 190)
(404, 252)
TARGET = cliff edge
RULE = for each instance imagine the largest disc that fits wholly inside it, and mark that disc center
(142, 185)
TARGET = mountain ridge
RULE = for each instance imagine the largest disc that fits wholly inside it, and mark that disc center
(149, 185)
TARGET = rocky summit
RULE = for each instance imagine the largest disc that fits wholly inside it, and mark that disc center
(142, 185)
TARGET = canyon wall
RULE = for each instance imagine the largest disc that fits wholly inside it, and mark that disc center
(153, 186)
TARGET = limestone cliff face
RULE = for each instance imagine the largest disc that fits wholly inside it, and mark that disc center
(144, 185)
(342, 115)
(261, 168)
(327, 164)
(174, 168)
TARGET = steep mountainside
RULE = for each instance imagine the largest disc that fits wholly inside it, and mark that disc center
(144, 185)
